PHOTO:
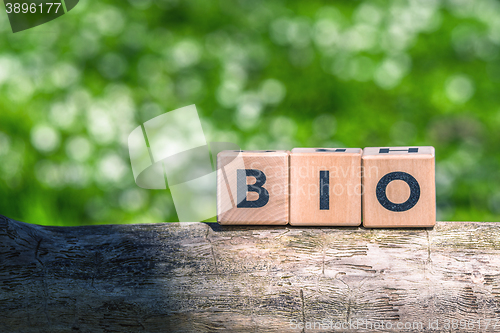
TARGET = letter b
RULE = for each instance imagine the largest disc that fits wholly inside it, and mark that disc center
(243, 188)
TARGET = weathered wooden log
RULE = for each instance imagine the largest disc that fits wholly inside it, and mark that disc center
(196, 277)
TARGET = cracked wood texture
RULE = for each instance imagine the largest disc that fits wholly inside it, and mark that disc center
(196, 277)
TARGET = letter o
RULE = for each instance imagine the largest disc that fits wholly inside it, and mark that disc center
(408, 179)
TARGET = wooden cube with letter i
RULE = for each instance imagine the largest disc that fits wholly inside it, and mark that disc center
(252, 187)
(399, 187)
(325, 186)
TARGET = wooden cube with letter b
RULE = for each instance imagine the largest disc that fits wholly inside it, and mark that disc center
(252, 187)
(399, 187)
(325, 186)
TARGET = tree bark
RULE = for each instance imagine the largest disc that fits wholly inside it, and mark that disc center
(198, 277)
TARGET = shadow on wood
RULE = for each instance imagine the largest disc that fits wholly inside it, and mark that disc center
(196, 277)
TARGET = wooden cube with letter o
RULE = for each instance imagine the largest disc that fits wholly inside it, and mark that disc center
(399, 187)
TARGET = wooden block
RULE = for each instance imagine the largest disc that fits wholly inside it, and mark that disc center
(325, 186)
(252, 187)
(399, 187)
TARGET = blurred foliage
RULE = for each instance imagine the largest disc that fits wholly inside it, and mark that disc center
(264, 75)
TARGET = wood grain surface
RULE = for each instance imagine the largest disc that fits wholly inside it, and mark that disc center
(196, 277)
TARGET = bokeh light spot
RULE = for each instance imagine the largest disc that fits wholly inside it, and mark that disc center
(45, 138)
(459, 88)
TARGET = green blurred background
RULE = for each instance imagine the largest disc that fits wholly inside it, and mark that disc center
(264, 75)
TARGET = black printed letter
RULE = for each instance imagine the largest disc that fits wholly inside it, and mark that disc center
(243, 188)
(414, 191)
(324, 190)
